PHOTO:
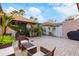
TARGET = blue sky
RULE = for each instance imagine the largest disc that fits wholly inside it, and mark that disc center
(43, 11)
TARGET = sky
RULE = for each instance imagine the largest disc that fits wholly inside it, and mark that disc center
(43, 11)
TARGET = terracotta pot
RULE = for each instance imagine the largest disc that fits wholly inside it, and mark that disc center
(5, 45)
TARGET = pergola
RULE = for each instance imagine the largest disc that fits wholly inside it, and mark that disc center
(77, 6)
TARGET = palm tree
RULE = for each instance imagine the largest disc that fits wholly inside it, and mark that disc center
(19, 12)
(69, 18)
(6, 21)
(36, 18)
(38, 29)
(31, 17)
(14, 12)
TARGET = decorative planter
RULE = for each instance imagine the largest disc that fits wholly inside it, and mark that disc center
(5, 45)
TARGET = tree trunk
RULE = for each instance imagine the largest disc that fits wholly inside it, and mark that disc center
(4, 32)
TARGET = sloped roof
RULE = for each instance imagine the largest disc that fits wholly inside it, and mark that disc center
(21, 18)
(49, 23)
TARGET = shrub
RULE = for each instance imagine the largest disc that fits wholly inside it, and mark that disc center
(6, 39)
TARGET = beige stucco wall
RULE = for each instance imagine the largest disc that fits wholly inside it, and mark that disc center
(58, 31)
(8, 30)
(69, 26)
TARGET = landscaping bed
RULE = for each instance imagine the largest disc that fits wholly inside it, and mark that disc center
(6, 41)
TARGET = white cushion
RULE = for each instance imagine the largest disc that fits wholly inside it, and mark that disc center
(6, 51)
(31, 47)
(39, 53)
(24, 41)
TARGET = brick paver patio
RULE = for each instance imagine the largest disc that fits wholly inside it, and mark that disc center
(64, 47)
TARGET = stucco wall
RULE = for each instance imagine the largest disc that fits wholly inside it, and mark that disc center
(47, 30)
(9, 30)
(58, 31)
(69, 26)
(0, 31)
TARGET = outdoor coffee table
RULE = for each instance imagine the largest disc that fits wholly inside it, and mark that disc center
(30, 47)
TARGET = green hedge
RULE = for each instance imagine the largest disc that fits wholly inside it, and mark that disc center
(6, 39)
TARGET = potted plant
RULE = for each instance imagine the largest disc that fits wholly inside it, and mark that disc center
(6, 41)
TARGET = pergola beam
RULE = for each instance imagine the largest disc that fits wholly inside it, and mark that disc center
(77, 6)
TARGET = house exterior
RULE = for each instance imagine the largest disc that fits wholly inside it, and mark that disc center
(72, 25)
(20, 20)
(58, 31)
(65, 27)
(17, 20)
(48, 28)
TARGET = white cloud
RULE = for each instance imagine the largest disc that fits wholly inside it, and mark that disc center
(61, 4)
(10, 9)
(55, 4)
(41, 19)
(67, 9)
(68, 4)
(34, 11)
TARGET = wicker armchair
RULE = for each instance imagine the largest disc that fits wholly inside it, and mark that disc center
(43, 52)
(22, 39)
